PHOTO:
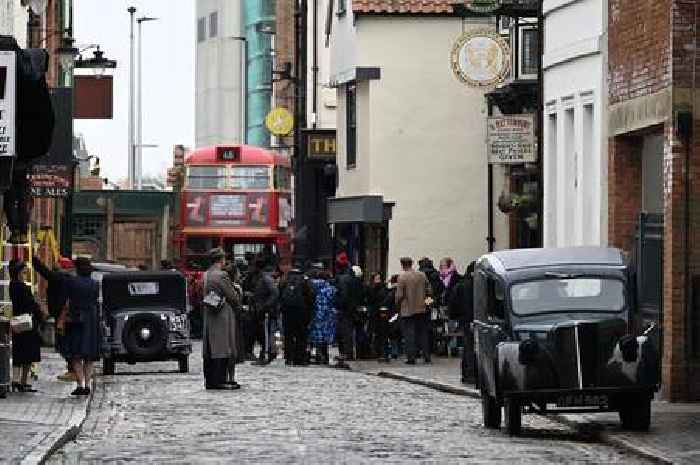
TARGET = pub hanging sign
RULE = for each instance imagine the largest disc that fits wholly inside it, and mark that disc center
(321, 145)
(511, 139)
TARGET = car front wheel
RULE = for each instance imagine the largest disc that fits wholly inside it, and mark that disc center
(184, 364)
(490, 410)
(635, 413)
(513, 411)
(108, 366)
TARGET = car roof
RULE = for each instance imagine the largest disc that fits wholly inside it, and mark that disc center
(518, 259)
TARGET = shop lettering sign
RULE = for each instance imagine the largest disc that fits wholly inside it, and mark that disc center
(8, 83)
(321, 145)
(511, 139)
(483, 6)
(50, 181)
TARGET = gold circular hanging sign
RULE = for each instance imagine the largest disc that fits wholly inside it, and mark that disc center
(481, 58)
(279, 121)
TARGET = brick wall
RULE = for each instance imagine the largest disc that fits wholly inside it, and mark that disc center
(638, 47)
(624, 189)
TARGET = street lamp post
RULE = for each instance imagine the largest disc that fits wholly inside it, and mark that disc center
(132, 145)
(139, 108)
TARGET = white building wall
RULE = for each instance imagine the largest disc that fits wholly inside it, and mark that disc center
(13, 20)
(575, 137)
(219, 75)
(326, 97)
(421, 138)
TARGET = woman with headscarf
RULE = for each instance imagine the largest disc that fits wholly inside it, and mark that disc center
(82, 336)
(26, 345)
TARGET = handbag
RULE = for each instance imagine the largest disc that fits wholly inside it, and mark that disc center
(212, 300)
(21, 323)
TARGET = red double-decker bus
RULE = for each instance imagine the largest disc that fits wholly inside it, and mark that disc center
(237, 197)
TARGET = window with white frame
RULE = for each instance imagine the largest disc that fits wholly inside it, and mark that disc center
(213, 24)
(201, 29)
(351, 125)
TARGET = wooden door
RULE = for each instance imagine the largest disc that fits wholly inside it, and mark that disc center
(135, 244)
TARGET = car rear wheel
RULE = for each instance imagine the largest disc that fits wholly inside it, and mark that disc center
(184, 363)
(513, 409)
(635, 413)
(490, 410)
(108, 366)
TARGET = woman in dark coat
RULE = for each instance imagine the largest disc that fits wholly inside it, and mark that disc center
(26, 346)
(82, 340)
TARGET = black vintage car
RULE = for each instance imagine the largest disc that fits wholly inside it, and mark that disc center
(144, 319)
(556, 332)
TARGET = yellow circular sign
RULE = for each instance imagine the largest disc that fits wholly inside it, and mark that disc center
(279, 121)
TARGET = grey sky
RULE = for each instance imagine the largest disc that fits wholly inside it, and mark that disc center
(168, 79)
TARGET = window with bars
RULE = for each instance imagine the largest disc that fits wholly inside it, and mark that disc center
(529, 56)
(351, 125)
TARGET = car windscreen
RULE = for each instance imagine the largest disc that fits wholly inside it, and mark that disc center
(570, 295)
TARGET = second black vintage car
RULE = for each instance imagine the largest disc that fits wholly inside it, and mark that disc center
(144, 318)
(556, 332)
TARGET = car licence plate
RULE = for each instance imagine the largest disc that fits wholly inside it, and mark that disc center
(583, 400)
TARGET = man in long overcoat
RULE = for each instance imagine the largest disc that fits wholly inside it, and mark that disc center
(219, 339)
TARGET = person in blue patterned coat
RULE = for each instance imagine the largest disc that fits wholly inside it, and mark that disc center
(322, 327)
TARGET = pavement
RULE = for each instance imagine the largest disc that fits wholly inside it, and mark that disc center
(33, 425)
(673, 436)
(149, 413)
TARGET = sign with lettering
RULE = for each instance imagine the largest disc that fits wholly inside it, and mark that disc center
(511, 139)
(50, 181)
(483, 6)
(8, 104)
(321, 145)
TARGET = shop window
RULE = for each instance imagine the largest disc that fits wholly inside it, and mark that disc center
(213, 24)
(351, 125)
(201, 29)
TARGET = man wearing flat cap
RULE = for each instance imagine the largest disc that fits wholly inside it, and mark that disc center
(219, 341)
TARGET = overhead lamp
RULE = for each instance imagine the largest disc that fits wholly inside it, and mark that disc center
(67, 53)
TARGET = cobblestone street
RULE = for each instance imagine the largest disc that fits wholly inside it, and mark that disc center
(305, 415)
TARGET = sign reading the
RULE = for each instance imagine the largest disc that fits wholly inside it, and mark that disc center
(511, 139)
(8, 83)
(481, 58)
(321, 145)
(50, 181)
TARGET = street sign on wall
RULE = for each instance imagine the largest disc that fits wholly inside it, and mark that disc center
(511, 139)
(8, 83)
(51, 181)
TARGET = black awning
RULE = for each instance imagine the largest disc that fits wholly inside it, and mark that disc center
(358, 209)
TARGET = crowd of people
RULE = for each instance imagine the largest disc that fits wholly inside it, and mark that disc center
(246, 303)
(72, 300)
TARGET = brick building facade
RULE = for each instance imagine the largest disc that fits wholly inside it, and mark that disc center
(654, 166)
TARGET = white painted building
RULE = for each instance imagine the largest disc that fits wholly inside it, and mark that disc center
(575, 122)
(410, 135)
(13, 20)
(220, 82)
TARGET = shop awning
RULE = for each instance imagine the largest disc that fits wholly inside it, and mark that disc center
(359, 209)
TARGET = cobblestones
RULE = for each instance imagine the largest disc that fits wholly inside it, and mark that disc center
(305, 415)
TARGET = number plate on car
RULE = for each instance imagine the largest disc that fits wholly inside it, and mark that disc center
(583, 400)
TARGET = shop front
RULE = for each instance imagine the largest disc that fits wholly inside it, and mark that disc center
(360, 228)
